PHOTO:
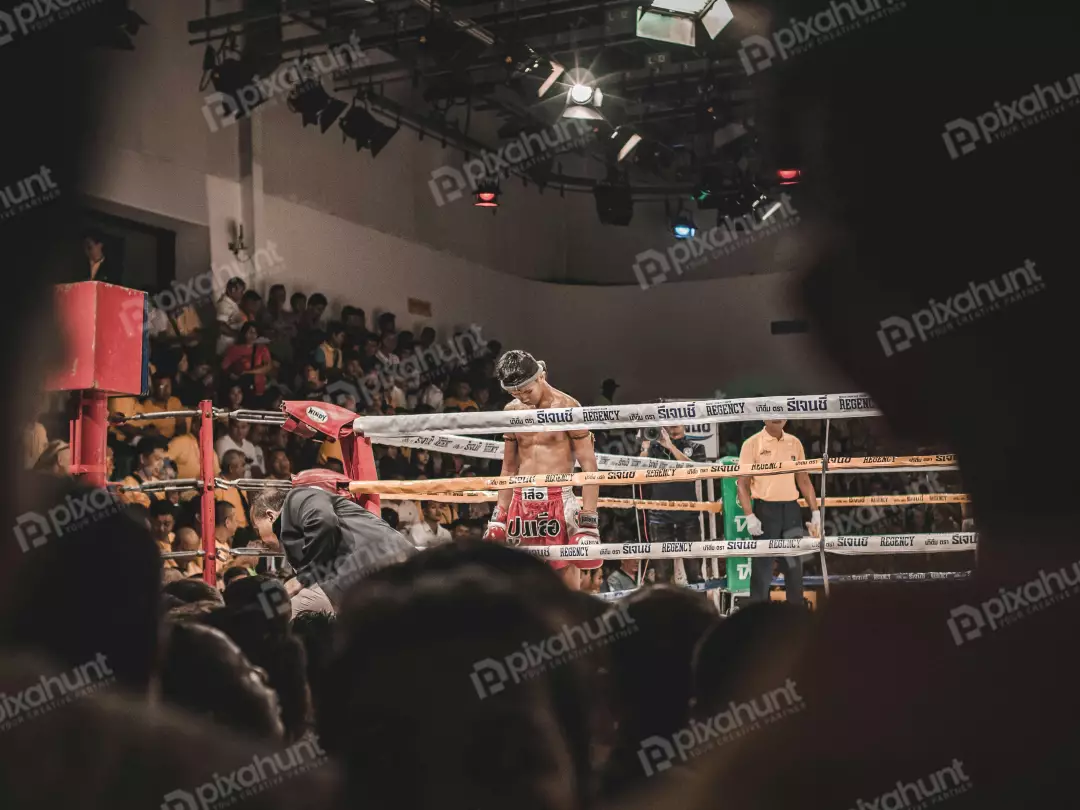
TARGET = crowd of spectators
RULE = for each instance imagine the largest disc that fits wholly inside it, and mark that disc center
(251, 353)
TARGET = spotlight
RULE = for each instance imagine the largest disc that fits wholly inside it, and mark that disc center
(363, 128)
(625, 140)
(676, 21)
(522, 60)
(789, 177)
(315, 105)
(614, 204)
(583, 101)
(683, 226)
(487, 195)
(231, 74)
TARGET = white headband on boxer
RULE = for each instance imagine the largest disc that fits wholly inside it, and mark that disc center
(542, 368)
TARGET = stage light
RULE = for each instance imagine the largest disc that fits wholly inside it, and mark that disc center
(614, 204)
(330, 113)
(522, 60)
(359, 125)
(583, 102)
(315, 105)
(789, 177)
(487, 195)
(676, 21)
(581, 94)
(683, 226)
(625, 140)
(232, 74)
(557, 70)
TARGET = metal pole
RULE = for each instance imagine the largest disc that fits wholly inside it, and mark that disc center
(206, 472)
(821, 540)
(89, 435)
(639, 492)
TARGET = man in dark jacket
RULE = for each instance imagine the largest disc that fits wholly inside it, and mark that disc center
(329, 539)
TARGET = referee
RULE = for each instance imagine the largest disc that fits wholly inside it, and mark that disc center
(771, 506)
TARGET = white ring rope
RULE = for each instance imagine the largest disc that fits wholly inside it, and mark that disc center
(481, 448)
(621, 416)
(797, 547)
(486, 448)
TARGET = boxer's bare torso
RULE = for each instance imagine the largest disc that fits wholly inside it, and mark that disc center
(545, 452)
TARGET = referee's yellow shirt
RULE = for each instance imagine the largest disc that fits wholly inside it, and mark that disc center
(761, 448)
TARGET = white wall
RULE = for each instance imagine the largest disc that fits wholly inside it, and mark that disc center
(672, 340)
(366, 231)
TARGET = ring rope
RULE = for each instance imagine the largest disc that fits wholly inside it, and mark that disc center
(150, 416)
(628, 477)
(813, 581)
(818, 406)
(168, 485)
(481, 448)
(796, 547)
(480, 496)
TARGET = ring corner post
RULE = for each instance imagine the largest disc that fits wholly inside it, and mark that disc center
(206, 489)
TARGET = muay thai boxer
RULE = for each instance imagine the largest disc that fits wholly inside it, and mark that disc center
(544, 515)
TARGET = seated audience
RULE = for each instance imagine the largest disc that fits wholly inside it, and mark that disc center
(247, 362)
(229, 315)
(427, 532)
(236, 439)
(151, 452)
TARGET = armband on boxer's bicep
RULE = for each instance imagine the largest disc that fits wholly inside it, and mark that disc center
(585, 434)
(510, 437)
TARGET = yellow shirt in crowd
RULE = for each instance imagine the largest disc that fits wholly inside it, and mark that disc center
(125, 406)
(141, 498)
(165, 427)
(184, 451)
(232, 495)
(761, 448)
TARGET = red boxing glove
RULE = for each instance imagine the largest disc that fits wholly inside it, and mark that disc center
(496, 528)
(587, 533)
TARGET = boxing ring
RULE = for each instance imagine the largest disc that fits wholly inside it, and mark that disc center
(440, 432)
